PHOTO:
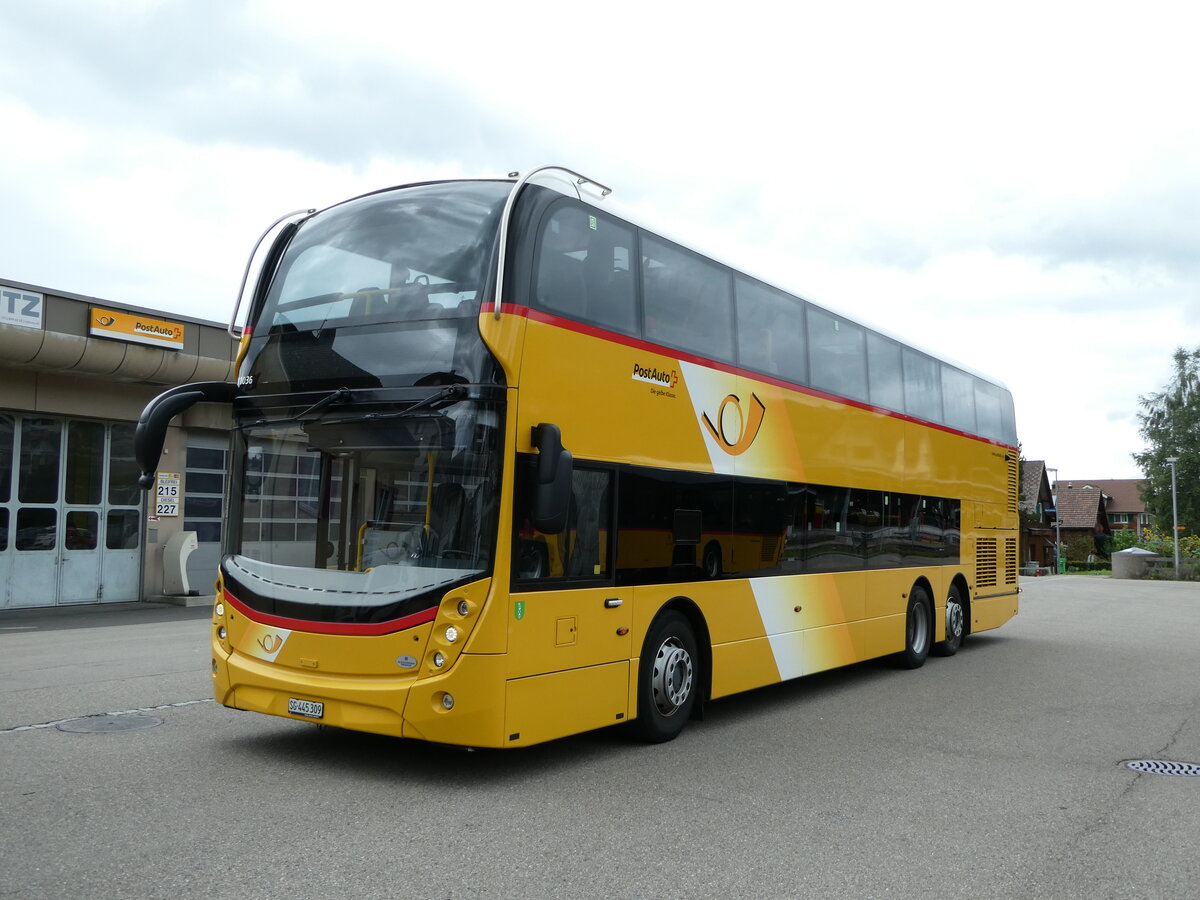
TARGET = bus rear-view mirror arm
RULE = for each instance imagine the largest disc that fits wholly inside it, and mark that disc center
(552, 489)
(152, 425)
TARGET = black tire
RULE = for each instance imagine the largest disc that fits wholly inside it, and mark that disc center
(918, 629)
(668, 678)
(712, 561)
(956, 624)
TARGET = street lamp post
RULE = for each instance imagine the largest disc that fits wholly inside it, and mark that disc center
(1057, 524)
(1171, 460)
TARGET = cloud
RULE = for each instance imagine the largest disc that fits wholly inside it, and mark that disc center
(1016, 189)
(213, 74)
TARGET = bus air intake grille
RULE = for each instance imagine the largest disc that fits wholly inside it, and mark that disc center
(1163, 767)
(986, 562)
(1010, 560)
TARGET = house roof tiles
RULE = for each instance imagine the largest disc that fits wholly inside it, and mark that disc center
(1125, 494)
(1080, 505)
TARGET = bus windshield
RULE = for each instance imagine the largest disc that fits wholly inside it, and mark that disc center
(379, 291)
(367, 516)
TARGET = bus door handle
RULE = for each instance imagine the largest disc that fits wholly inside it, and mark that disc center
(613, 602)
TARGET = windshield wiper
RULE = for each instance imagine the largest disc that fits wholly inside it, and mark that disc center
(448, 396)
(332, 397)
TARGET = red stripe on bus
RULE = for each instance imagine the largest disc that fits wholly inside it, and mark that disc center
(537, 315)
(371, 628)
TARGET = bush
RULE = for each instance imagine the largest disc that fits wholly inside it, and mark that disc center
(1158, 541)
(1078, 547)
(1164, 569)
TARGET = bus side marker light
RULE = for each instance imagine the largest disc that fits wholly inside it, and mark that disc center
(622, 631)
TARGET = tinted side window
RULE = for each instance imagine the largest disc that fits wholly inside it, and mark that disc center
(582, 549)
(886, 387)
(988, 417)
(837, 354)
(583, 269)
(760, 523)
(670, 524)
(864, 521)
(771, 334)
(1008, 418)
(688, 300)
(928, 530)
(896, 535)
(831, 546)
(958, 399)
(922, 387)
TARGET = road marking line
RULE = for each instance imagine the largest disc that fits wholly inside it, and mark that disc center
(123, 712)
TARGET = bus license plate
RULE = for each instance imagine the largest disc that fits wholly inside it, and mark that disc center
(310, 708)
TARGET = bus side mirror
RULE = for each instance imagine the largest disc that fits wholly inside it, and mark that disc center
(552, 487)
(152, 425)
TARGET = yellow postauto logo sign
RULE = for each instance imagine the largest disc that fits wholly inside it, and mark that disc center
(138, 329)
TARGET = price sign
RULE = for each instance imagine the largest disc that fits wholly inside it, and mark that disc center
(168, 494)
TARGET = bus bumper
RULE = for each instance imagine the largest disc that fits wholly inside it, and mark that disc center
(464, 705)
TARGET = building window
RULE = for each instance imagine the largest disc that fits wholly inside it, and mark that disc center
(204, 492)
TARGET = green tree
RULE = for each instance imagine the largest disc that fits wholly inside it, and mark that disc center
(1078, 547)
(1170, 424)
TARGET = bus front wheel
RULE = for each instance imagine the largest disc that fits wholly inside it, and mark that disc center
(667, 678)
(918, 629)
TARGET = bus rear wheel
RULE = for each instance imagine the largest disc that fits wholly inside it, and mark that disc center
(955, 624)
(668, 678)
(918, 629)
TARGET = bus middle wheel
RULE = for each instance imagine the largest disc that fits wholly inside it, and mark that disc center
(918, 629)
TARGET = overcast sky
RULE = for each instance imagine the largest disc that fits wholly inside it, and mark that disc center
(1015, 186)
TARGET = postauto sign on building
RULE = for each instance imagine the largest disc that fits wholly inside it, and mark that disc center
(75, 374)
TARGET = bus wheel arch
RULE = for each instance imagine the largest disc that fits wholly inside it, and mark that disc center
(918, 625)
(958, 617)
(673, 673)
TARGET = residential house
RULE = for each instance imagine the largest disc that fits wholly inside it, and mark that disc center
(1126, 508)
(1083, 510)
(1037, 517)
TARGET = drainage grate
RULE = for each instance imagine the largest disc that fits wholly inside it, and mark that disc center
(1163, 767)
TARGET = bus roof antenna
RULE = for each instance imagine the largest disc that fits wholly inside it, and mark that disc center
(580, 180)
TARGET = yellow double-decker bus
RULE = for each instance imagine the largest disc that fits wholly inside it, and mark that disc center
(509, 467)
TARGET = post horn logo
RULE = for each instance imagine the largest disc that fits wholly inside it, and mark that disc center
(270, 643)
(736, 428)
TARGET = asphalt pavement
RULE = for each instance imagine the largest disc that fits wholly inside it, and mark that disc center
(999, 772)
